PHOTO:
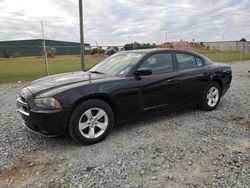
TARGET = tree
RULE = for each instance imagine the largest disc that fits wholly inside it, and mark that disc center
(243, 40)
(111, 50)
(137, 45)
(128, 46)
(93, 51)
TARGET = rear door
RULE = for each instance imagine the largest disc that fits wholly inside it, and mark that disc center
(190, 76)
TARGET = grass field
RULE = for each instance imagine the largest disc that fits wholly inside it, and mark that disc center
(30, 68)
(228, 56)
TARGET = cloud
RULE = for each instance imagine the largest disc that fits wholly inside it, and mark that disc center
(118, 22)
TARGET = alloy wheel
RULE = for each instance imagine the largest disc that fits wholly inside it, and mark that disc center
(212, 96)
(93, 123)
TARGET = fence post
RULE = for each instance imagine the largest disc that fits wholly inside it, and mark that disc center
(45, 52)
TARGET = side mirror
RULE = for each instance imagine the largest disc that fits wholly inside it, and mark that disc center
(143, 71)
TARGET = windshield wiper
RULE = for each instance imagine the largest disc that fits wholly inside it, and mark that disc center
(97, 72)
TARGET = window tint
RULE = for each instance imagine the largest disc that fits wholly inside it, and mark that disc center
(199, 62)
(159, 63)
(185, 61)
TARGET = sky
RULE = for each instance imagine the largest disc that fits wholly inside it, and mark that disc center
(117, 22)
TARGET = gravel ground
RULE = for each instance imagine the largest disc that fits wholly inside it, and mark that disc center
(190, 148)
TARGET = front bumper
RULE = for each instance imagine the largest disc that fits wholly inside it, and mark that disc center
(47, 123)
(37, 132)
(43, 122)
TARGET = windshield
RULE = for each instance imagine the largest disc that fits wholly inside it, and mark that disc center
(118, 64)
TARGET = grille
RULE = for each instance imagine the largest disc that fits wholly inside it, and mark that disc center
(22, 105)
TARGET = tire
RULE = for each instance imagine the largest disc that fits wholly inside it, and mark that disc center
(210, 101)
(91, 121)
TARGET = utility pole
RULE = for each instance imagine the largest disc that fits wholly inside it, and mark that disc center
(166, 38)
(97, 49)
(241, 52)
(222, 48)
(81, 36)
(45, 52)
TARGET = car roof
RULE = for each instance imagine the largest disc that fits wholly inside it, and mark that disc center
(159, 50)
(151, 50)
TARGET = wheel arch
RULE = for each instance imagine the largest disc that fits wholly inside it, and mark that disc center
(104, 97)
(219, 82)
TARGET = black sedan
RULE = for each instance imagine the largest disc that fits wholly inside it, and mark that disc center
(124, 86)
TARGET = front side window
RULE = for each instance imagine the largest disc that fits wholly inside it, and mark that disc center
(118, 64)
(185, 61)
(159, 63)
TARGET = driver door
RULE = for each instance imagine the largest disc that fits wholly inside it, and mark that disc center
(158, 90)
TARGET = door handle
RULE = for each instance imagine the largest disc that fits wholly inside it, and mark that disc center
(206, 73)
(173, 81)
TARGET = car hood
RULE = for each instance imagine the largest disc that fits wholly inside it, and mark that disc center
(61, 80)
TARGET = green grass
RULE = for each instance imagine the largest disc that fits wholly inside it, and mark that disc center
(228, 56)
(31, 68)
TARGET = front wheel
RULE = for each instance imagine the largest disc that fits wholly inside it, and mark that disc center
(211, 97)
(91, 121)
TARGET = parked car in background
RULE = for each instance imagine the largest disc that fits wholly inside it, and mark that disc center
(124, 86)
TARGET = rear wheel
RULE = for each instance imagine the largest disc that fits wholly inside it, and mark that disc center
(211, 97)
(91, 121)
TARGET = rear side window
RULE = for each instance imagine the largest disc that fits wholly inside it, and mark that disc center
(185, 61)
(159, 63)
(199, 62)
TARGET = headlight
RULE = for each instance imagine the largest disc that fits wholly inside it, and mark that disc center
(48, 103)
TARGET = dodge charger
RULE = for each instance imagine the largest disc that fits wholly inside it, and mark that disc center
(127, 85)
